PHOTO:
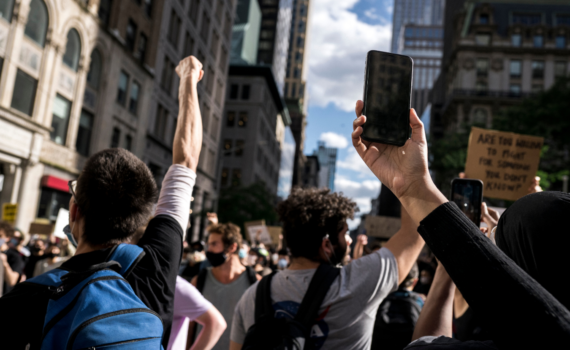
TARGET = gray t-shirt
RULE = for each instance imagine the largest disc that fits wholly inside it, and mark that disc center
(347, 316)
(225, 298)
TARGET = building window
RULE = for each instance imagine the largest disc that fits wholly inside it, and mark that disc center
(167, 75)
(236, 177)
(242, 121)
(515, 89)
(72, 50)
(194, 10)
(220, 10)
(223, 59)
(24, 93)
(160, 122)
(95, 66)
(215, 127)
(234, 90)
(115, 138)
(128, 142)
(6, 9)
(60, 119)
(227, 147)
(134, 100)
(215, 44)
(481, 87)
(188, 45)
(515, 68)
(560, 69)
(527, 18)
(141, 49)
(210, 78)
(174, 29)
(265, 45)
(105, 10)
(131, 34)
(228, 26)
(205, 114)
(205, 31)
(84, 133)
(482, 66)
(516, 40)
(538, 41)
(483, 39)
(266, 34)
(537, 69)
(51, 201)
(563, 20)
(239, 148)
(480, 116)
(36, 27)
(148, 7)
(560, 42)
(122, 90)
(484, 19)
(225, 176)
(231, 119)
(245, 92)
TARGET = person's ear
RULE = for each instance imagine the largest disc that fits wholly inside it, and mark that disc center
(74, 212)
(233, 248)
(326, 247)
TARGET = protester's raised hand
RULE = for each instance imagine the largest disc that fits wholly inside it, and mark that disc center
(489, 216)
(190, 67)
(213, 218)
(362, 239)
(535, 186)
(402, 169)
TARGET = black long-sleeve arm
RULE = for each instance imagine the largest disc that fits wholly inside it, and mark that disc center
(517, 310)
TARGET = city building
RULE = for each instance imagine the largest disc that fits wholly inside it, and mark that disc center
(311, 173)
(418, 12)
(202, 28)
(295, 82)
(274, 37)
(76, 77)
(501, 53)
(254, 128)
(245, 37)
(327, 164)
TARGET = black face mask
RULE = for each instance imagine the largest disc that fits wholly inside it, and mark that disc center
(216, 259)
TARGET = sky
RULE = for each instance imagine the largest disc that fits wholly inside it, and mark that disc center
(341, 32)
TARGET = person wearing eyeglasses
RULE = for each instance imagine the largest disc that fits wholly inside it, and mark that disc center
(114, 195)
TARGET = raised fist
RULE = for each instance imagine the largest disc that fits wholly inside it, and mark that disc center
(190, 67)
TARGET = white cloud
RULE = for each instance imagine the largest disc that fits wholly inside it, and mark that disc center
(338, 45)
(352, 161)
(334, 140)
(371, 13)
(357, 189)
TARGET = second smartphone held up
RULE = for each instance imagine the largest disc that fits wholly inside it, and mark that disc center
(387, 98)
(468, 195)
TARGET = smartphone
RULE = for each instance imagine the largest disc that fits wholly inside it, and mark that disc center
(468, 195)
(387, 98)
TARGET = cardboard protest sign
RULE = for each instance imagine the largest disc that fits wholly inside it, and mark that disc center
(275, 233)
(61, 222)
(258, 232)
(506, 162)
(9, 212)
(381, 226)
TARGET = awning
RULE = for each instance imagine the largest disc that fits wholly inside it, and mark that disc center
(55, 182)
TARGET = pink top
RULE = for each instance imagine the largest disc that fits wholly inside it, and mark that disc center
(189, 304)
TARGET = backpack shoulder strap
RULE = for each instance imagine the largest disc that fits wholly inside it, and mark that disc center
(263, 305)
(128, 255)
(251, 275)
(201, 282)
(313, 299)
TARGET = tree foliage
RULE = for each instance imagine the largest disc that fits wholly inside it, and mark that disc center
(542, 115)
(240, 204)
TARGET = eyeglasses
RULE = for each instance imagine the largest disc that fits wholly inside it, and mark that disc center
(72, 186)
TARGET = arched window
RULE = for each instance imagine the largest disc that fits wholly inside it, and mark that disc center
(37, 25)
(95, 66)
(6, 9)
(72, 50)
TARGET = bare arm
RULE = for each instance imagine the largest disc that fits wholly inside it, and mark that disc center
(213, 326)
(406, 246)
(188, 136)
(10, 276)
(437, 314)
(358, 249)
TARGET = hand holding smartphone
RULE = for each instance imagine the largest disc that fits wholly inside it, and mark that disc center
(387, 98)
(468, 195)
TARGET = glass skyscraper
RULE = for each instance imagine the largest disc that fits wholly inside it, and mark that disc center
(418, 12)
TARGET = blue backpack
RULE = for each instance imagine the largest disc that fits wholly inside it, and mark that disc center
(97, 308)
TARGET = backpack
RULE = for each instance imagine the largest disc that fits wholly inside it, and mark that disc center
(395, 321)
(270, 333)
(201, 281)
(98, 308)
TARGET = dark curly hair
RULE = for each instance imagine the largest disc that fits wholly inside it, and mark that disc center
(115, 193)
(7, 228)
(309, 214)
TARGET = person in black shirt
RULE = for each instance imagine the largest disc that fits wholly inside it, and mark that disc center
(12, 261)
(115, 195)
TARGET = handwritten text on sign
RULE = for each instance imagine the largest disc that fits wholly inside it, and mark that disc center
(505, 162)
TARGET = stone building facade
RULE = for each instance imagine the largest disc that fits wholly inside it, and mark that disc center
(76, 77)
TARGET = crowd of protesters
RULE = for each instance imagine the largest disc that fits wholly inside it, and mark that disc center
(439, 282)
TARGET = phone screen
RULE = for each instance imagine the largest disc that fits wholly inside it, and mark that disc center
(387, 95)
(468, 195)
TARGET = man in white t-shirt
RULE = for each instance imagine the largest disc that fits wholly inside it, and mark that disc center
(315, 229)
